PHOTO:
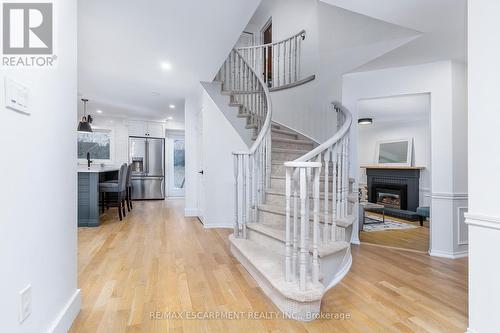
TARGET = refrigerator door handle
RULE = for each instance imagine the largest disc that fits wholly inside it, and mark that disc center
(147, 158)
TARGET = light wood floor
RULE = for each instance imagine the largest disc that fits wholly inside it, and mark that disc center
(157, 260)
(416, 239)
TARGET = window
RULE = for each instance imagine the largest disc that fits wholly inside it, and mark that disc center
(179, 163)
(97, 143)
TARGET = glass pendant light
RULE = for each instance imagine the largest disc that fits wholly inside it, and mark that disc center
(84, 125)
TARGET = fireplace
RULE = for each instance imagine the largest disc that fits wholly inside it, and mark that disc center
(395, 188)
(391, 196)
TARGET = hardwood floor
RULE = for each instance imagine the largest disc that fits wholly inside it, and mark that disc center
(411, 239)
(157, 260)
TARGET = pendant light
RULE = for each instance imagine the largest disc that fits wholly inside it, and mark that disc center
(84, 125)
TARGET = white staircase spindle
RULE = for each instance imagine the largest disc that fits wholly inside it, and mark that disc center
(315, 262)
(278, 46)
(288, 245)
(295, 57)
(334, 193)
(266, 65)
(295, 225)
(236, 168)
(243, 196)
(326, 204)
(303, 230)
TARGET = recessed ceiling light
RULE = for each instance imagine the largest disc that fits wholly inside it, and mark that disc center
(170, 118)
(99, 111)
(365, 121)
(166, 66)
(171, 106)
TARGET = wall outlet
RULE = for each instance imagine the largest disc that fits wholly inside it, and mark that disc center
(25, 303)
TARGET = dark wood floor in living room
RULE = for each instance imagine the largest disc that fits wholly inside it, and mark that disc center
(157, 260)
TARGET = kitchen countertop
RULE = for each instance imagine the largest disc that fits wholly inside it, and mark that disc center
(97, 169)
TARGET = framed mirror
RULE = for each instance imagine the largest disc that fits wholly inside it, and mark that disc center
(394, 152)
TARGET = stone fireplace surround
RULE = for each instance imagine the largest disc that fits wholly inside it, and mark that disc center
(404, 180)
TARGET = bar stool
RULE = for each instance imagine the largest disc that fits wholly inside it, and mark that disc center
(128, 194)
(118, 189)
(129, 188)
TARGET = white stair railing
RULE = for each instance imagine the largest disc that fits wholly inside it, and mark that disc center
(302, 177)
(252, 168)
(279, 63)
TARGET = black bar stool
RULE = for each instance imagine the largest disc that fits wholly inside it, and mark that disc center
(128, 194)
(118, 189)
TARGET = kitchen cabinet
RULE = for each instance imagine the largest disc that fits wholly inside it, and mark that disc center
(146, 129)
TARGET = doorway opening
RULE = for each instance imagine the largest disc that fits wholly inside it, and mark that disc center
(267, 38)
(175, 163)
(394, 154)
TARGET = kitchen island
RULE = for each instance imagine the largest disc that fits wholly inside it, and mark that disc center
(88, 192)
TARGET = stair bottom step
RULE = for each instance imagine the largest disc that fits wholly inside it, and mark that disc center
(266, 267)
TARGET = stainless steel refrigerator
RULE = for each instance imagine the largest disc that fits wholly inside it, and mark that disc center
(147, 157)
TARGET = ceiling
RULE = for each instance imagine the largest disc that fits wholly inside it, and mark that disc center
(404, 108)
(123, 44)
(443, 24)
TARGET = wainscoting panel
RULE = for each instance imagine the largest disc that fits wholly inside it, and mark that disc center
(463, 229)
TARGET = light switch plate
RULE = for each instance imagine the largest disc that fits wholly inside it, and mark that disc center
(17, 96)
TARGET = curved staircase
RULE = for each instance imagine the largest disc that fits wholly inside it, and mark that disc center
(294, 206)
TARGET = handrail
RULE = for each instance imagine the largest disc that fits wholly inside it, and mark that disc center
(301, 33)
(267, 123)
(278, 63)
(328, 143)
(331, 160)
(252, 167)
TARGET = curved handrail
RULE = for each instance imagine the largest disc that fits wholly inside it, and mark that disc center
(267, 122)
(279, 62)
(301, 33)
(330, 142)
(252, 166)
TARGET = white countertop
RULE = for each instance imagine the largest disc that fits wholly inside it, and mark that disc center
(97, 168)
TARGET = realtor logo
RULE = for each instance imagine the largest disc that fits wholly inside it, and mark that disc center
(27, 28)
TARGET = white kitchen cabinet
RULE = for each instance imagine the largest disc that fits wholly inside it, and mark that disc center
(156, 130)
(146, 129)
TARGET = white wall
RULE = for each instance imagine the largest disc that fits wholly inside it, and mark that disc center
(445, 82)
(231, 113)
(484, 163)
(220, 140)
(209, 146)
(419, 130)
(38, 241)
(193, 108)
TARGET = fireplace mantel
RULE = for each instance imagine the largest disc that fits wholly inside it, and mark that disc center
(388, 167)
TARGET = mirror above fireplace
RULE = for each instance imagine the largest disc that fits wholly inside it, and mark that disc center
(394, 152)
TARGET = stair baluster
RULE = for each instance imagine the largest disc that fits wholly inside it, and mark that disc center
(283, 57)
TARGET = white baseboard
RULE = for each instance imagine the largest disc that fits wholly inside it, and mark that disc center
(229, 225)
(190, 212)
(448, 255)
(65, 318)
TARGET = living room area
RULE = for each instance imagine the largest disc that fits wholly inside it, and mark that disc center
(440, 90)
(394, 171)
